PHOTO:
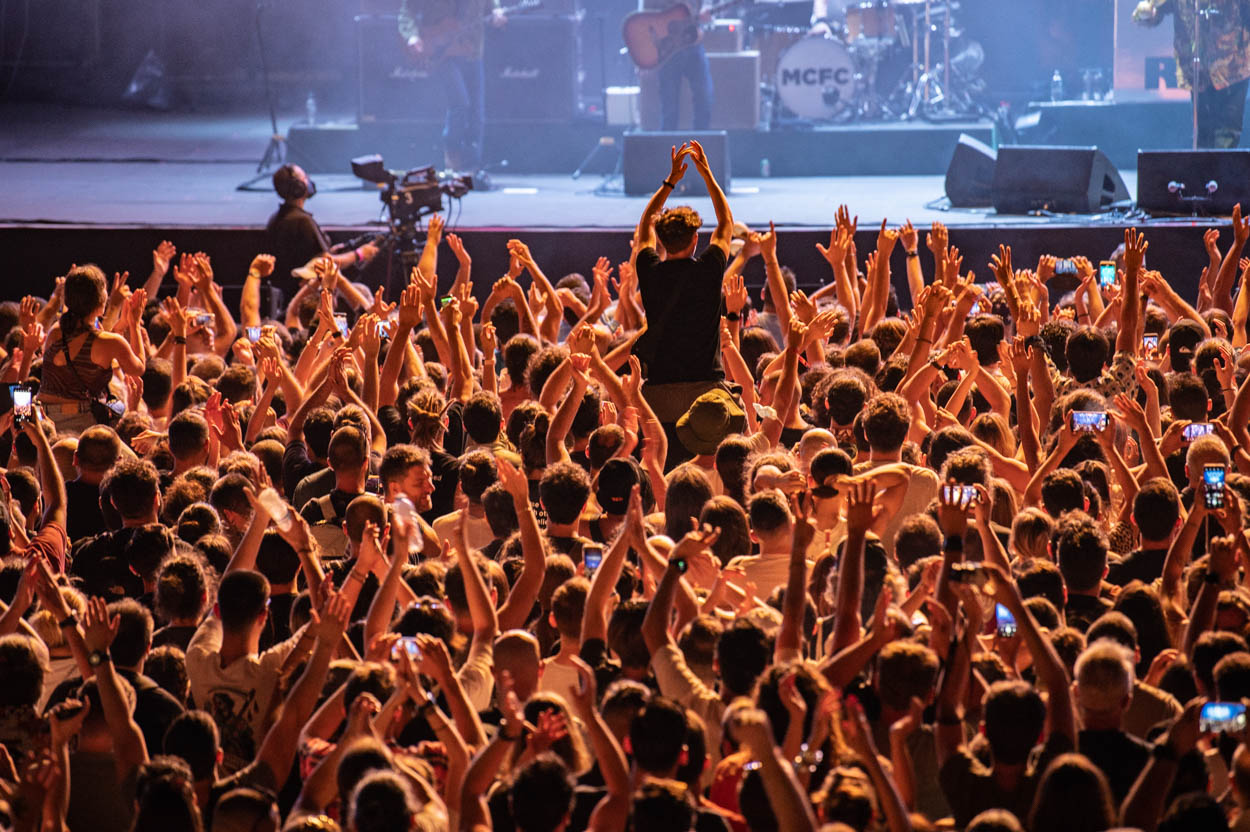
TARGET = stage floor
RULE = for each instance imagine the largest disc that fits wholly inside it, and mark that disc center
(61, 164)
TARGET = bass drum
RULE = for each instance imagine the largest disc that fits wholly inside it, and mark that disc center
(816, 78)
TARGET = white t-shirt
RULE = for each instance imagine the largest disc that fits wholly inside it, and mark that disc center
(239, 696)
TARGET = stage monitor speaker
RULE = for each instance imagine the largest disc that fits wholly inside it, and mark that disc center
(1066, 180)
(970, 176)
(531, 69)
(648, 161)
(735, 94)
(1179, 182)
(392, 86)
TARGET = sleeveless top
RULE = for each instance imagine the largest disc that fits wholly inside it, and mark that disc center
(81, 379)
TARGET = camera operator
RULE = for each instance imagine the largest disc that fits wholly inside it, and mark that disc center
(294, 236)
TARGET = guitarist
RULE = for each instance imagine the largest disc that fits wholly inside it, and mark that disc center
(455, 33)
(690, 64)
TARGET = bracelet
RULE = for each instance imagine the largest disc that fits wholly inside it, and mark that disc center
(924, 340)
(180, 339)
(70, 620)
(670, 185)
(360, 576)
(359, 259)
(915, 253)
(733, 316)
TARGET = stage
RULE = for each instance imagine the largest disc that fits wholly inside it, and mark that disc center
(107, 185)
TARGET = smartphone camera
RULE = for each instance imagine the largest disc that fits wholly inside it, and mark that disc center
(253, 334)
(1213, 485)
(1222, 717)
(1150, 344)
(409, 645)
(1006, 621)
(1065, 267)
(964, 495)
(22, 404)
(1193, 431)
(1089, 421)
(1106, 273)
(340, 320)
(592, 557)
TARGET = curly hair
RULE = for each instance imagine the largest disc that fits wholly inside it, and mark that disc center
(677, 227)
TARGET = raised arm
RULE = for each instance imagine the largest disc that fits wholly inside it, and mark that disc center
(99, 630)
(644, 235)
(516, 609)
(1135, 247)
(52, 484)
(723, 234)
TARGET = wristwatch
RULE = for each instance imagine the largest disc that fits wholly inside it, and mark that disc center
(98, 657)
(915, 253)
(733, 316)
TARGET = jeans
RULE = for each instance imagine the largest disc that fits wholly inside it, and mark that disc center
(1220, 114)
(464, 81)
(691, 64)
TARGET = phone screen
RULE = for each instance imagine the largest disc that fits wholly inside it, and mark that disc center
(1065, 267)
(1197, 429)
(409, 645)
(1213, 485)
(1089, 421)
(341, 321)
(253, 334)
(1222, 717)
(1150, 343)
(1106, 273)
(592, 557)
(21, 403)
(1006, 621)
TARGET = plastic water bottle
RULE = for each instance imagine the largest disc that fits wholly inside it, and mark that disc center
(310, 108)
(766, 168)
(277, 509)
(1056, 87)
(407, 512)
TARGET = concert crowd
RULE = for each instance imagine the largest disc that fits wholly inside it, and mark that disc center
(642, 551)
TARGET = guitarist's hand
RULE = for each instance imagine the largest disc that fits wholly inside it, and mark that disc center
(679, 165)
(416, 46)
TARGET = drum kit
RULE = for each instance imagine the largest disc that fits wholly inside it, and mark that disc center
(873, 60)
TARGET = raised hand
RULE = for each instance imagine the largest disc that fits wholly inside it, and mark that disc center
(840, 241)
(768, 242)
(886, 239)
(262, 265)
(861, 508)
(804, 307)
(162, 256)
(1241, 227)
(99, 628)
(678, 169)
(1135, 246)
(909, 235)
(457, 248)
(735, 291)
(699, 156)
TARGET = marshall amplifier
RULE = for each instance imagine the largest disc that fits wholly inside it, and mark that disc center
(393, 87)
(531, 69)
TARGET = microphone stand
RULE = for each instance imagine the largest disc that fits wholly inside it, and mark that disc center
(275, 151)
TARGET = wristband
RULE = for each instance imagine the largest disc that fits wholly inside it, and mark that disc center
(70, 620)
(953, 543)
(733, 316)
(1210, 577)
(360, 576)
(359, 257)
(181, 340)
(915, 253)
(669, 185)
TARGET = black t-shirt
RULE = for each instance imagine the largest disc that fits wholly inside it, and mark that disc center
(100, 562)
(297, 464)
(83, 517)
(1138, 565)
(682, 299)
(294, 239)
(1121, 757)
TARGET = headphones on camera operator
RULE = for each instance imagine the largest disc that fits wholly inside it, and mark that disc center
(290, 185)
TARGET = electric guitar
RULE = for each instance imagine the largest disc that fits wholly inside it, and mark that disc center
(452, 37)
(651, 38)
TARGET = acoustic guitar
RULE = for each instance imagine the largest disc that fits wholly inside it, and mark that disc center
(652, 37)
(452, 37)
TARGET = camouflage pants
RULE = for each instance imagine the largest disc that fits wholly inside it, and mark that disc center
(1220, 114)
